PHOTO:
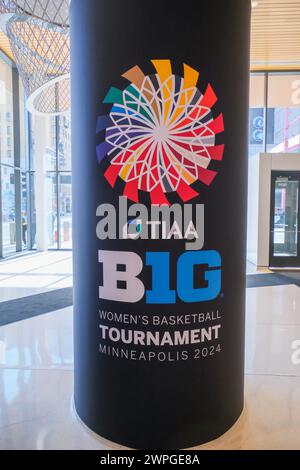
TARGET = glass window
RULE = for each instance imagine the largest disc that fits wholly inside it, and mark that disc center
(6, 115)
(52, 219)
(65, 199)
(24, 211)
(64, 145)
(18, 172)
(32, 211)
(51, 144)
(31, 137)
(284, 113)
(58, 182)
(8, 209)
(8, 174)
(257, 114)
(23, 156)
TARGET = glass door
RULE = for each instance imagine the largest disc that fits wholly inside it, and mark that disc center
(285, 235)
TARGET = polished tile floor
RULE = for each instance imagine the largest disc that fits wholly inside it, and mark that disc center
(36, 378)
(35, 273)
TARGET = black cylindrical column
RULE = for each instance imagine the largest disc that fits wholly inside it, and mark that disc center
(159, 116)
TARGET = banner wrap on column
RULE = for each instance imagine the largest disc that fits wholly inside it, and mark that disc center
(159, 125)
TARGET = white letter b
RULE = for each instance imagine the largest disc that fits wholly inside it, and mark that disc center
(132, 289)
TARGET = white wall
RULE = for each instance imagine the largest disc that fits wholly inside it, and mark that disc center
(259, 201)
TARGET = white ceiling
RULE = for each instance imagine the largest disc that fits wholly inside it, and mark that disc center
(275, 35)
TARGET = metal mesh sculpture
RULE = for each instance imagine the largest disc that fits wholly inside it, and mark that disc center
(38, 31)
(52, 11)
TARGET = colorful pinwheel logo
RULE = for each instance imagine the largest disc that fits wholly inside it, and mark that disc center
(160, 135)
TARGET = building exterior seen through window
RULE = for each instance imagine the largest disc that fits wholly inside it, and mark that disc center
(274, 117)
(58, 181)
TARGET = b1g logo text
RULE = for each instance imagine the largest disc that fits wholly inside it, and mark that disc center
(121, 269)
(121, 282)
